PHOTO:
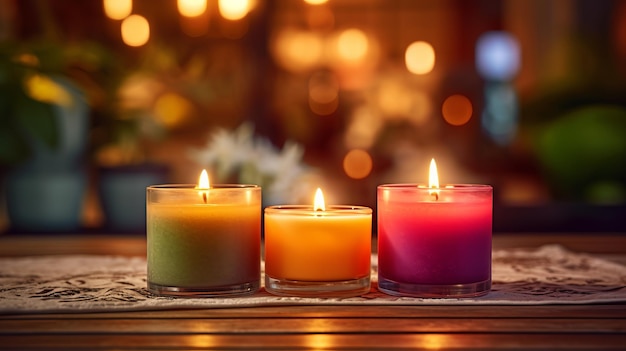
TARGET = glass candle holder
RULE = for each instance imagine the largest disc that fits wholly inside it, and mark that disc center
(318, 253)
(434, 242)
(203, 242)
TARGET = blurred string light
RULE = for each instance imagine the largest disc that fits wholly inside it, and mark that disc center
(315, 2)
(234, 9)
(117, 9)
(420, 57)
(192, 8)
(194, 19)
(352, 45)
(298, 50)
(457, 110)
(357, 164)
(135, 30)
(498, 61)
(497, 56)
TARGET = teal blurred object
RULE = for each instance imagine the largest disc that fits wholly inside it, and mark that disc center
(583, 154)
(122, 192)
(45, 192)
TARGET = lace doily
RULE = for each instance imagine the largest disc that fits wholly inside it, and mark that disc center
(547, 275)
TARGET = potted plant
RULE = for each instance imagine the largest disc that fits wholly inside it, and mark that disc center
(44, 119)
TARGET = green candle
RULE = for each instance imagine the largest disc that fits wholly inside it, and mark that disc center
(203, 241)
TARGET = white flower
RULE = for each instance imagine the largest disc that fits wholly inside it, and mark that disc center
(281, 173)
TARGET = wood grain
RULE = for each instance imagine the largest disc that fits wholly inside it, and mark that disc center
(547, 327)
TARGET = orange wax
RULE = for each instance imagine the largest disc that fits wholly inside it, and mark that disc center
(306, 245)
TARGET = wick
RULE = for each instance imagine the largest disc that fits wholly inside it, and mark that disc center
(434, 193)
(204, 197)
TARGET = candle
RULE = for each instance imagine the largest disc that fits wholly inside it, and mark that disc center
(434, 241)
(203, 240)
(317, 251)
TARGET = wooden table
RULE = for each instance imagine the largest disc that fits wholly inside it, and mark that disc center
(568, 327)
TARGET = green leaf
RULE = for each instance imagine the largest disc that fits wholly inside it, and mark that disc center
(12, 148)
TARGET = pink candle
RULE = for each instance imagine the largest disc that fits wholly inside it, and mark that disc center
(434, 242)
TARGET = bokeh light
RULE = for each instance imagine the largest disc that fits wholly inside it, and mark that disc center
(352, 45)
(323, 109)
(315, 2)
(117, 9)
(172, 109)
(357, 164)
(457, 110)
(135, 30)
(394, 99)
(363, 129)
(192, 8)
(298, 50)
(43, 88)
(233, 9)
(421, 108)
(323, 87)
(420, 57)
(497, 56)
(323, 93)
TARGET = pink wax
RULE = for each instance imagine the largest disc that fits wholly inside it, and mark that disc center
(426, 239)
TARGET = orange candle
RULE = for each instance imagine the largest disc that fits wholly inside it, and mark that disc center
(316, 251)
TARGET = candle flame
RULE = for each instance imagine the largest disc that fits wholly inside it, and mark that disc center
(203, 183)
(318, 204)
(433, 179)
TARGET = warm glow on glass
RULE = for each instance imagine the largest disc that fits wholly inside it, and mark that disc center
(233, 9)
(357, 164)
(315, 2)
(135, 30)
(420, 57)
(433, 178)
(117, 9)
(457, 110)
(352, 45)
(318, 202)
(203, 182)
(191, 8)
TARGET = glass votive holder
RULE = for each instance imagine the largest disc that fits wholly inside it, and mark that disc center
(434, 242)
(203, 242)
(318, 253)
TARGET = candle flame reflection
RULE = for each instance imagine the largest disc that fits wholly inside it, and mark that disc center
(433, 179)
(318, 203)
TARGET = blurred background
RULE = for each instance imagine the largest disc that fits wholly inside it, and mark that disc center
(101, 98)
